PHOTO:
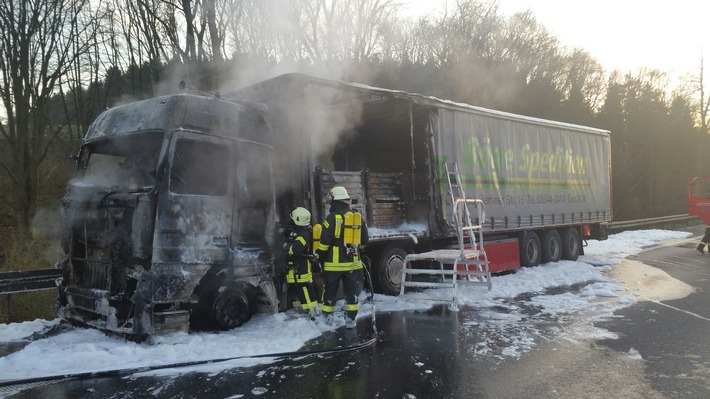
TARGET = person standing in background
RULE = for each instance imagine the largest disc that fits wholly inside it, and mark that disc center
(705, 241)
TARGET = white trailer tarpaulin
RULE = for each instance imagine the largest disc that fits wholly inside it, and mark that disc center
(527, 171)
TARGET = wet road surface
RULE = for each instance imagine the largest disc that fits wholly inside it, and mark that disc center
(648, 350)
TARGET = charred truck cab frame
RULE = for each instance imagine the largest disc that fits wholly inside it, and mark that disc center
(170, 214)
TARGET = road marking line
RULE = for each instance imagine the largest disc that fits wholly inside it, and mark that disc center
(681, 310)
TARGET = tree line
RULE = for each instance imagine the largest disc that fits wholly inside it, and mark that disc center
(63, 61)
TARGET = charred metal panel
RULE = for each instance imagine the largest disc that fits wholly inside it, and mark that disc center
(142, 232)
(168, 113)
(174, 282)
(252, 261)
(93, 300)
(195, 207)
(192, 230)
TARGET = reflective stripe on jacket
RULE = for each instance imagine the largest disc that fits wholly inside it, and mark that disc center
(297, 260)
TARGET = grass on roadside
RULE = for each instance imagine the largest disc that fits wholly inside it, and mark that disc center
(40, 252)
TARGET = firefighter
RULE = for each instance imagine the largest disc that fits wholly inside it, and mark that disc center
(340, 256)
(705, 242)
(300, 255)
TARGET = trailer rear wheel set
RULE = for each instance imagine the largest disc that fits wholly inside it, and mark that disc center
(553, 246)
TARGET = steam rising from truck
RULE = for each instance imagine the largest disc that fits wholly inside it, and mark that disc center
(172, 219)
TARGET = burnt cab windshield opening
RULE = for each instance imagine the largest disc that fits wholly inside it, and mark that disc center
(129, 163)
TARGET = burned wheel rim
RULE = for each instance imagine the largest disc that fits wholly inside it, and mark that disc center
(230, 308)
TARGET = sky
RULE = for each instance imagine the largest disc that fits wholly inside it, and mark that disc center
(609, 281)
(622, 34)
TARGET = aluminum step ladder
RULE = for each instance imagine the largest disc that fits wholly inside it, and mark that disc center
(450, 268)
(461, 216)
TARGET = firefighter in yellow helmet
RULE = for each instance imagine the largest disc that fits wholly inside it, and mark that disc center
(341, 260)
(300, 252)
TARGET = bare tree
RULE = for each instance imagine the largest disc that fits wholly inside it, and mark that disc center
(703, 100)
(348, 31)
(583, 87)
(532, 49)
(703, 112)
(37, 49)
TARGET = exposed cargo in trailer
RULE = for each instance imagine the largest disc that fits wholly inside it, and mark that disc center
(546, 185)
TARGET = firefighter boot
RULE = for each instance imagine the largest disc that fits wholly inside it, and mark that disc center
(701, 248)
(328, 317)
(350, 323)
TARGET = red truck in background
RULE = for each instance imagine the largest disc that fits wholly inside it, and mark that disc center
(699, 198)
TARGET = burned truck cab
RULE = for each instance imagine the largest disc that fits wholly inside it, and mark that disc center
(168, 223)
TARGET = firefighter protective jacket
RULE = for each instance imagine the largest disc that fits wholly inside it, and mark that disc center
(332, 251)
(298, 251)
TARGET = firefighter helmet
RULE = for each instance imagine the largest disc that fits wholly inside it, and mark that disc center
(339, 193)
(301, 216)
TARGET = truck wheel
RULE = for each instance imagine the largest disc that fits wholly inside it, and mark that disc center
(551, 246)
(571, 244)
(388, 276)
(230, 307)
(530, 249)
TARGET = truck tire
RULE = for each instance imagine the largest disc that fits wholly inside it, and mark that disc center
(551, 246)
(571, 244)
(230, 307)
(530, 249)
(388, 275)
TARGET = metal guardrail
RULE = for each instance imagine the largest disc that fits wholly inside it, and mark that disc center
(24, 281)
(28, 280)
(657, 222)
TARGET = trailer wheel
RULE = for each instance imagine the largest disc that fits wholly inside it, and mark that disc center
(389, 269)
(551, 246)
(530, 251)
(571, 244)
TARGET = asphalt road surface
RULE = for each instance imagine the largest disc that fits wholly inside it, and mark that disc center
(657, 349)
